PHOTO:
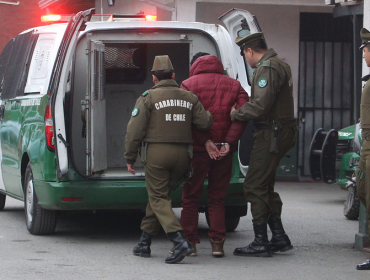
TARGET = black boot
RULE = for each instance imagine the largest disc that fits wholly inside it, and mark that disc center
(280, 242)
(364, 266)
(260, 247)
(142, 249)
(181, 247)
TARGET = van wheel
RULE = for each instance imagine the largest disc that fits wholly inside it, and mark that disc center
(231, 223)
(39, 221)
(352, 204)
(2, 201)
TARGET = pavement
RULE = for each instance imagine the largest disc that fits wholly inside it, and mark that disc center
(99, 246)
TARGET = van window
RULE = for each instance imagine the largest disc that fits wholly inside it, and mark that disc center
(16, 74)
(4, 59)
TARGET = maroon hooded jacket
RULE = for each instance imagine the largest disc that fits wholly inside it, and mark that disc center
(218, 93)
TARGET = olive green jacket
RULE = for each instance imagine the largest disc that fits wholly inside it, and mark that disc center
(365, 108)
(272, 92)
(164, 114)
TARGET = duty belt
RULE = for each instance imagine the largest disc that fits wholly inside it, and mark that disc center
(268, 123)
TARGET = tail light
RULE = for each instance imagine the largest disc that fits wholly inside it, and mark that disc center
(49, 128)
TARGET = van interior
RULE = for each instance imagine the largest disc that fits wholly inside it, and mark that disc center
(113, 86)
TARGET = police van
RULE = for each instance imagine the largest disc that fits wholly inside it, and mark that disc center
(67, 92)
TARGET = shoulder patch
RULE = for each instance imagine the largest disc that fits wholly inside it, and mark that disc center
(262, 82)
(266, 63)
(135, 112)
(145, 93)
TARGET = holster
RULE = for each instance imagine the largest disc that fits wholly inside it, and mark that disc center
(144, 152)
(274, 144)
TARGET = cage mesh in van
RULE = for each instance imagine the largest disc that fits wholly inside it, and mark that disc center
(125, 63)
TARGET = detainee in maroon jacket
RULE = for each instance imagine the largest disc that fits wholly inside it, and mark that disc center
(213, 150)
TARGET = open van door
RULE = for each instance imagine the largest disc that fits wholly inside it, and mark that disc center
(58, 85)
(241, 23)
(95, 116)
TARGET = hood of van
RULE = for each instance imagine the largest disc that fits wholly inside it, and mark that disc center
(206, 64)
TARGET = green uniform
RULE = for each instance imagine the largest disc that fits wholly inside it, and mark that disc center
(162, 118)
(271, 105)
(363, 179)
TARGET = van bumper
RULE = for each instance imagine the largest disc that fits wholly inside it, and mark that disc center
(94, 195)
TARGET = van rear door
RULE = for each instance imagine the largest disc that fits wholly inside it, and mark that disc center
(94, 113)
(57, 87)
(240, 23)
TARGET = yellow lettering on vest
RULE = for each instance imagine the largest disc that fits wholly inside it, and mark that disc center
(172, 103)
(156, 106)
(168, 117)
(168, 103)
(160, 105)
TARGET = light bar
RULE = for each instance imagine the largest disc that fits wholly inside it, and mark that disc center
(55, 18)
(150, 18)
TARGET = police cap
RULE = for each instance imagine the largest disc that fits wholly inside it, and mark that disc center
(162, 62)
(365, 37)
(243, 41)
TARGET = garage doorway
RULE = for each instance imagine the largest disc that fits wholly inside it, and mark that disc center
(325, 93)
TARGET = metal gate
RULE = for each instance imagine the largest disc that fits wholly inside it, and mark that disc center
(325, 94)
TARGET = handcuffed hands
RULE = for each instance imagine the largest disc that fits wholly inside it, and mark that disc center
(225, 150)
(212, 150)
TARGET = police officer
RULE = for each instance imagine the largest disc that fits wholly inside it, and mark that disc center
(162, 119)
(272, 110)
(363, 172)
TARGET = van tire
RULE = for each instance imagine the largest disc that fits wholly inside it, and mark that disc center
(352, 204)
(2, 201)
(39, 221)
(231, 222)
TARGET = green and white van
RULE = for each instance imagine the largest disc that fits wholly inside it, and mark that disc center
(67, 91)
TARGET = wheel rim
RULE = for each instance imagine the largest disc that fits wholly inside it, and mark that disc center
(29, 201)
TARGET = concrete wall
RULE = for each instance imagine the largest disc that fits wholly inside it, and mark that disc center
(365, 69)
(279, 23)
(132, 7)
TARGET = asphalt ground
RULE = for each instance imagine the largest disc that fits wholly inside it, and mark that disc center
(99, 245)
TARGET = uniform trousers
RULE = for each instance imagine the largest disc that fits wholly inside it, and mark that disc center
(363, 186)
(260, 179)
(219, 174)
(166, 165)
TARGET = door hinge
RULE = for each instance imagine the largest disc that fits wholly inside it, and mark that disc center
(60, 136)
